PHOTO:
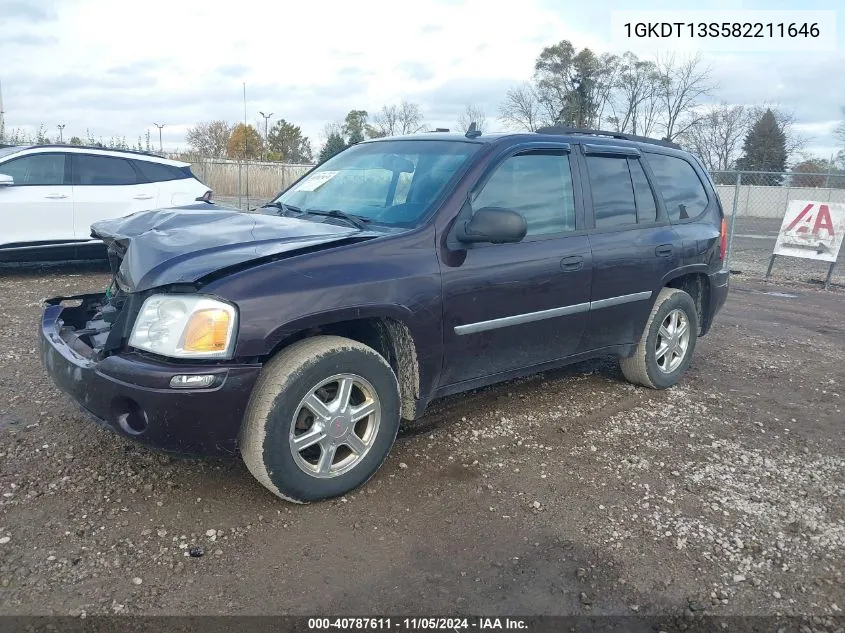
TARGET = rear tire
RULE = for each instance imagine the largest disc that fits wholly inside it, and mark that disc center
(667, 343)
(321, 419)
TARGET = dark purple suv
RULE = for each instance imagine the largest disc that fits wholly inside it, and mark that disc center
(399, 271)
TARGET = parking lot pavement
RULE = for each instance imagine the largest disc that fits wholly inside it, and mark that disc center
(570, 492)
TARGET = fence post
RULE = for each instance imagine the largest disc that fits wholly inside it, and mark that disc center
(733, 220)
(239, 186)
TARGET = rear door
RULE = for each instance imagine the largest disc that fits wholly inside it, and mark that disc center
(174, 185)
(107, 187)
(38, 207)
(511, 306)
(692, 207)
(633, 244)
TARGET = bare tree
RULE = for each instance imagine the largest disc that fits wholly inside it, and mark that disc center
(606, 79)
(410, 117)
(682, 85)
(209, 138)
(472, 114)
(331, 129)
(840, 129)
(386, 121)
(521, 109)
(393, 120)
(717, 137)
(635, 102)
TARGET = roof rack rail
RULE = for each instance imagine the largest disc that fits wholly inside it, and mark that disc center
(106, 149)
(562, 129)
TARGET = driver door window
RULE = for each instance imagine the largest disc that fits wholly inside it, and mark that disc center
(538, 185)
(36, 169)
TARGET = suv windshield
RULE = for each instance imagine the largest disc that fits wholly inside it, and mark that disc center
(386, 182)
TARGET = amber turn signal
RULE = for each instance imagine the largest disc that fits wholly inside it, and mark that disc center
(207, 331)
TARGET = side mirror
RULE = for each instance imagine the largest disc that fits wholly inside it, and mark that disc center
(495, 225)
(6, 181)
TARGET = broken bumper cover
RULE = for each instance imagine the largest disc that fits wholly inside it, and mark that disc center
(131, 394)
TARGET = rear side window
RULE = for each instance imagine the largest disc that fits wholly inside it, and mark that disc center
(539, 186)
(36, 169)
(646, 205)
(613, 192)
(156, 172)
(679, 185)
(90, 169)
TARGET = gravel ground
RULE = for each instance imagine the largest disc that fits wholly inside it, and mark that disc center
(753, 243)
(570, 492)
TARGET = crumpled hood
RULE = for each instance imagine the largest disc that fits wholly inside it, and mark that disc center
(181, 245)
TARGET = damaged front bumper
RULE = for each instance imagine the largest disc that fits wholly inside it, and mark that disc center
(131, 393)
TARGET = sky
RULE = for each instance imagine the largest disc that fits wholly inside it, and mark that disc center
(116, 67)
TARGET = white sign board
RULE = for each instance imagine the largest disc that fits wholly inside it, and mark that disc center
(812, 230)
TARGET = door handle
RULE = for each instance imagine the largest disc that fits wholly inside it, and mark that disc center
(56, 196)
(142, 196)
(572, 263)
(664, 250)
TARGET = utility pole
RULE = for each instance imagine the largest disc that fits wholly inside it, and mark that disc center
(61, 127)
(246, 151)
(160, 146)
(266, 121)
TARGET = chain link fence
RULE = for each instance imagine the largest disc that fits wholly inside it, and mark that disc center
(246, 184)
(755, 204)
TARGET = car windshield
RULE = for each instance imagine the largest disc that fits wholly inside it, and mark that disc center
(385, 182)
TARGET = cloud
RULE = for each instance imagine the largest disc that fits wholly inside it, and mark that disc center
(27, 39)
(416, 70)
(26, 11)
(232, 70)
(82, 63)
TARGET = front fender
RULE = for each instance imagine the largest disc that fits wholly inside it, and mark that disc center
(328, 317)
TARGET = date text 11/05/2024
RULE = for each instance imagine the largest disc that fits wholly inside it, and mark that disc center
(418, 623)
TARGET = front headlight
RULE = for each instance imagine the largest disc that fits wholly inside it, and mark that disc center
(185, 326)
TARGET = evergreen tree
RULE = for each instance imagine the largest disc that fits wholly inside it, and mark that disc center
(286, 143)
(334, 145)
(764, 149)
(355, 126)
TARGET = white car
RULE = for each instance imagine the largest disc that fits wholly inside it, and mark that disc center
(51, 194)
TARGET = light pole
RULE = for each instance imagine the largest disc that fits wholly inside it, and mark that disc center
(61, 127)
(160, 146)
(266, 122)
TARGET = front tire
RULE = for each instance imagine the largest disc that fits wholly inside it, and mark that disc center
(321, 419)
(667, 343)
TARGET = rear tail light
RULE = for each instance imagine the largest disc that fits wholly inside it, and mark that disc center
(723, 243)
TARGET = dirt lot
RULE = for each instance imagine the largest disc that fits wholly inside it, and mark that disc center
(567, 493)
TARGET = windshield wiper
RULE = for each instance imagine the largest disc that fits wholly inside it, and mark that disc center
(281, 206)
(356, 220)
